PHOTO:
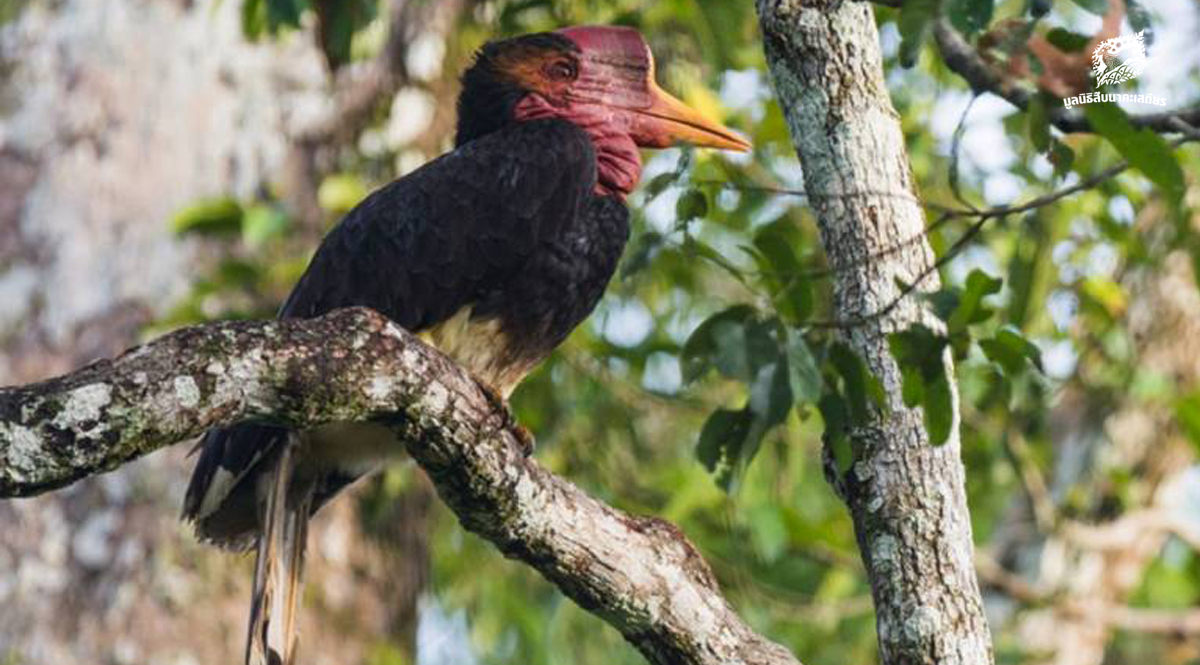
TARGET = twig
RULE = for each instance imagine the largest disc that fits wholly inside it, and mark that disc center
(984, 216)
(1148, 620)
(955, 144)
(992, 574)
(1032, 481)
(908, 288)
(1121, 617)
(1131, 527)
(964, 60)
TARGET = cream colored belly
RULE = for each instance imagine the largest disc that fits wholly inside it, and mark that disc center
(477, 346)
(482, 348)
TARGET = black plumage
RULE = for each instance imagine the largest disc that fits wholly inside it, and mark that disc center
(493, 252)
(507, 225)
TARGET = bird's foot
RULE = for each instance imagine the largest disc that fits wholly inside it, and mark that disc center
(524, 438)
(498, 403)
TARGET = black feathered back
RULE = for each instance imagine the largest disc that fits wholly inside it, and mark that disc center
(507, 224)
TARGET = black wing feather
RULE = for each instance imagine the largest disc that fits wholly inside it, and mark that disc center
(421, 248)
(417, 251)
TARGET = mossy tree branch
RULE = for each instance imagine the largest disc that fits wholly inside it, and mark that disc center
(639, 574)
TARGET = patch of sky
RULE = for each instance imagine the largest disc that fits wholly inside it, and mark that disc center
(443, 638)
(1121, 210)
(624, 322)
(662, 373)
(971, 258)
(1058, 358)
(1062, 306)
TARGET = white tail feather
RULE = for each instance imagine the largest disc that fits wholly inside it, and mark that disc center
(279, 567)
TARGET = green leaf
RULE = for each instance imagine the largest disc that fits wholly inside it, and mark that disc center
(1062, 157)
(721, 441)
(1145, 150)
(338, 25)
(916, 16)
(919, 352)
(221, 216)
(1010, 350)
(912, 387)
(971, 309)
(723, 330)
(768, 531)
(1039, 124)
(943, 301)
(860, 387)
(284, 14)
(236, 273)
(917, 347)
(803, 372)
(834, 413)
(705, 251)
(340, 192)
(1139, 18)
(254, 18)
(659, 183)
(778, 242)
(693, 204)
(771, 394)
(1105, 292)
(1068, 41)
(261, 223)
(766, 344)
(1191, 242)
(795, 303)
(938, 409)
(970, 16)
(643, 250)
(1187, 414)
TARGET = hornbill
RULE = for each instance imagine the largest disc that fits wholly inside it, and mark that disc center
(492, 252)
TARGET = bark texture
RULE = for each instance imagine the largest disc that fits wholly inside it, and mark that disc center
(906, 497)
(638, 573)
(114, 115)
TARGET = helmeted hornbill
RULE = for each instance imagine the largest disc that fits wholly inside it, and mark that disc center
(494, 252)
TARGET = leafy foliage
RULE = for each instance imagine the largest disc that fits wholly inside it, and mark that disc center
(705, 388)
(1145, 150)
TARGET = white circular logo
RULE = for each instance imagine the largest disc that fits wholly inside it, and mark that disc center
(1119, 59)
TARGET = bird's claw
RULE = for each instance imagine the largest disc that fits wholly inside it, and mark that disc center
(498, 403)
(524, 437)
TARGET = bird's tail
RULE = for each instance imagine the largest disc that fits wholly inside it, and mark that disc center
(279, 566)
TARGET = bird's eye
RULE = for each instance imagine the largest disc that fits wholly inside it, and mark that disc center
(560, 70)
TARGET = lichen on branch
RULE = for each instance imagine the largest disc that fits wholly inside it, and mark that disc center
(640, 574)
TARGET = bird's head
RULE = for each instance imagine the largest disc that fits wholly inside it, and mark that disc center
(599, 77)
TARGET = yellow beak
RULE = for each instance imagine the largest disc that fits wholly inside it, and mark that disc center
(668, 121)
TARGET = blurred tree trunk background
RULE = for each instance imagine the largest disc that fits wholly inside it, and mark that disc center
(114, 115)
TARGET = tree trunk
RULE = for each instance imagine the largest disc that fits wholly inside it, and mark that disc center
(906, 496)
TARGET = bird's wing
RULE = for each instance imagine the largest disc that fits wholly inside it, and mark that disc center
(428, 244)
(417, 251)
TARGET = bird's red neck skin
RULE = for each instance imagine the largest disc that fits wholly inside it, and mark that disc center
(618, 162)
